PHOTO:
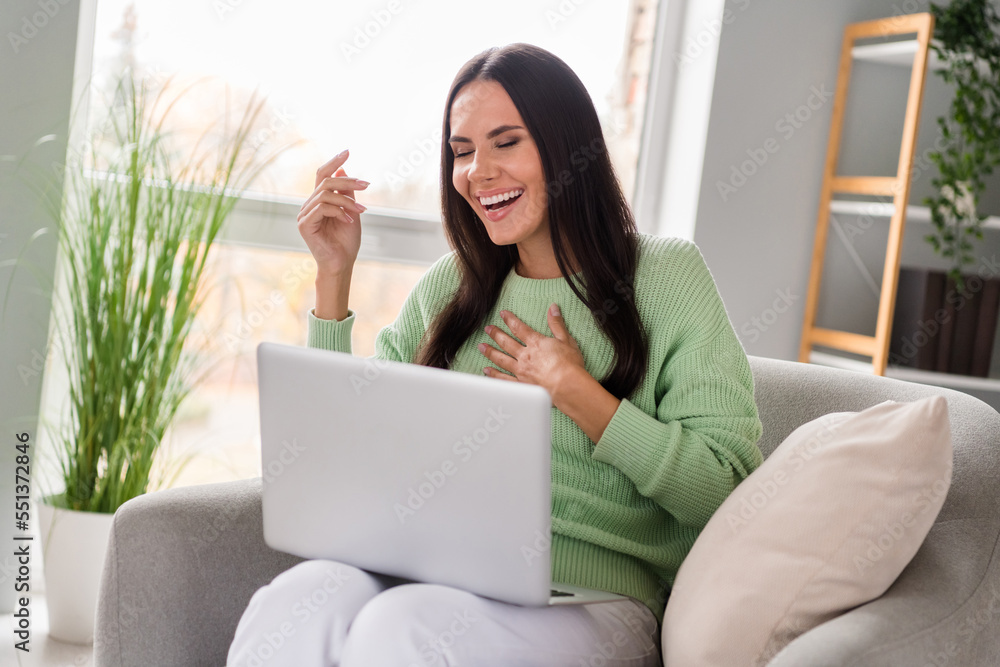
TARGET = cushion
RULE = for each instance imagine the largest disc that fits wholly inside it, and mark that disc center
(827, 523)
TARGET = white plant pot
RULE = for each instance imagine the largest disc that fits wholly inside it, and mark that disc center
(73, 546)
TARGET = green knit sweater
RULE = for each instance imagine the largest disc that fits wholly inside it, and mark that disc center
(625, 511)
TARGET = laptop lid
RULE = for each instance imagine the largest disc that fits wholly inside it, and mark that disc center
(418, 472)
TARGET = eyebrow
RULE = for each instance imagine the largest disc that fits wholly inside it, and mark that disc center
(489, 135)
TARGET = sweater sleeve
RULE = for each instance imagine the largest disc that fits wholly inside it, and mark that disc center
(330, 334)
(701, 442)
(397, 341)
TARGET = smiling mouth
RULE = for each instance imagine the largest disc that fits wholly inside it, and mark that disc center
(501, 201)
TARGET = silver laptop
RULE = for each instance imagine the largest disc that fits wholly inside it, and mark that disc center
(416, 472)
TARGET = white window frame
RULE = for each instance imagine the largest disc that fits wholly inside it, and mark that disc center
(388, 235)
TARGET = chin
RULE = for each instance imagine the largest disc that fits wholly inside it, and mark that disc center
(502, 236)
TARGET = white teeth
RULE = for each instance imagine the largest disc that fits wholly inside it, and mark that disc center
(504, 196)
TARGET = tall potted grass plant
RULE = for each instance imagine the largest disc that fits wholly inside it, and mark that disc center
(135, 233)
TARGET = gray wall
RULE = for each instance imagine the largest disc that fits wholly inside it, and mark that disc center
(36, 77)
(773, 58)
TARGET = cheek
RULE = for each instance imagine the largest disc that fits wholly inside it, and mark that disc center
(535, 174)
(459, 180)
(540, 202)
(539, 186)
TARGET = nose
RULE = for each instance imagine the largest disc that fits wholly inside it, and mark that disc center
(483, 168)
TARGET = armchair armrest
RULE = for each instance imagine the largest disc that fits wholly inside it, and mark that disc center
(181, 567)
(943, 610)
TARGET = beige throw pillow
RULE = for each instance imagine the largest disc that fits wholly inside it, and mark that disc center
(827, 523)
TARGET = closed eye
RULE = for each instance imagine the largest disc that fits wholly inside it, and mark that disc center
(506, 144)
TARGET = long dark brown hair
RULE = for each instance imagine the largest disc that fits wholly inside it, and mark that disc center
(589, 220)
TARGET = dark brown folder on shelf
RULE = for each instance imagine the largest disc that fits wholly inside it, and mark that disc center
(982, 348)
(966, 323)
(915, 324)
(947, 333)
(995, 360)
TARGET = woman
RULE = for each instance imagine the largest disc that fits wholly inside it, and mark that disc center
(653, 423)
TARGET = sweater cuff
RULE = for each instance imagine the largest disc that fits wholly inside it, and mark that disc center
(330, 334)
(632, 439)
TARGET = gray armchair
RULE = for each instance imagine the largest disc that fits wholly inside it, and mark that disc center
(183, 563)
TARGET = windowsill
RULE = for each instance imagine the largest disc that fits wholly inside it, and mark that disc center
(389, 235)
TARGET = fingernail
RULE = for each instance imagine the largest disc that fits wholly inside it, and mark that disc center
(340, 154)
(482, 347)
(554, 310)
(487, 328)
(363, 184)
(360, 207)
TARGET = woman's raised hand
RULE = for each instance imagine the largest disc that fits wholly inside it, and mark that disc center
(329, 220)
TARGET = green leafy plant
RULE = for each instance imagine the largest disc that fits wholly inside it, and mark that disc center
(967, 42)
(135, 234)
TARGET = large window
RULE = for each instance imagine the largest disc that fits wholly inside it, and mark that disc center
(371, 76)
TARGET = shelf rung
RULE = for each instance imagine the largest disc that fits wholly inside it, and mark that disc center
(871, 208)
(837, 361)
(843, 340)
(865, 185)
(893, 25)
(876, 209)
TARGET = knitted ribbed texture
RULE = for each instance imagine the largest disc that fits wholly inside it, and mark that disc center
(626, 511)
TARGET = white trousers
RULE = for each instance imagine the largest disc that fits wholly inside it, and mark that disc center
(324, 613)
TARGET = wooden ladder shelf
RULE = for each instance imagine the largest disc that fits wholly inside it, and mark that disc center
(898, 187)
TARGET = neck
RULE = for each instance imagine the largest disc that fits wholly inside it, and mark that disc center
(538, 260)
